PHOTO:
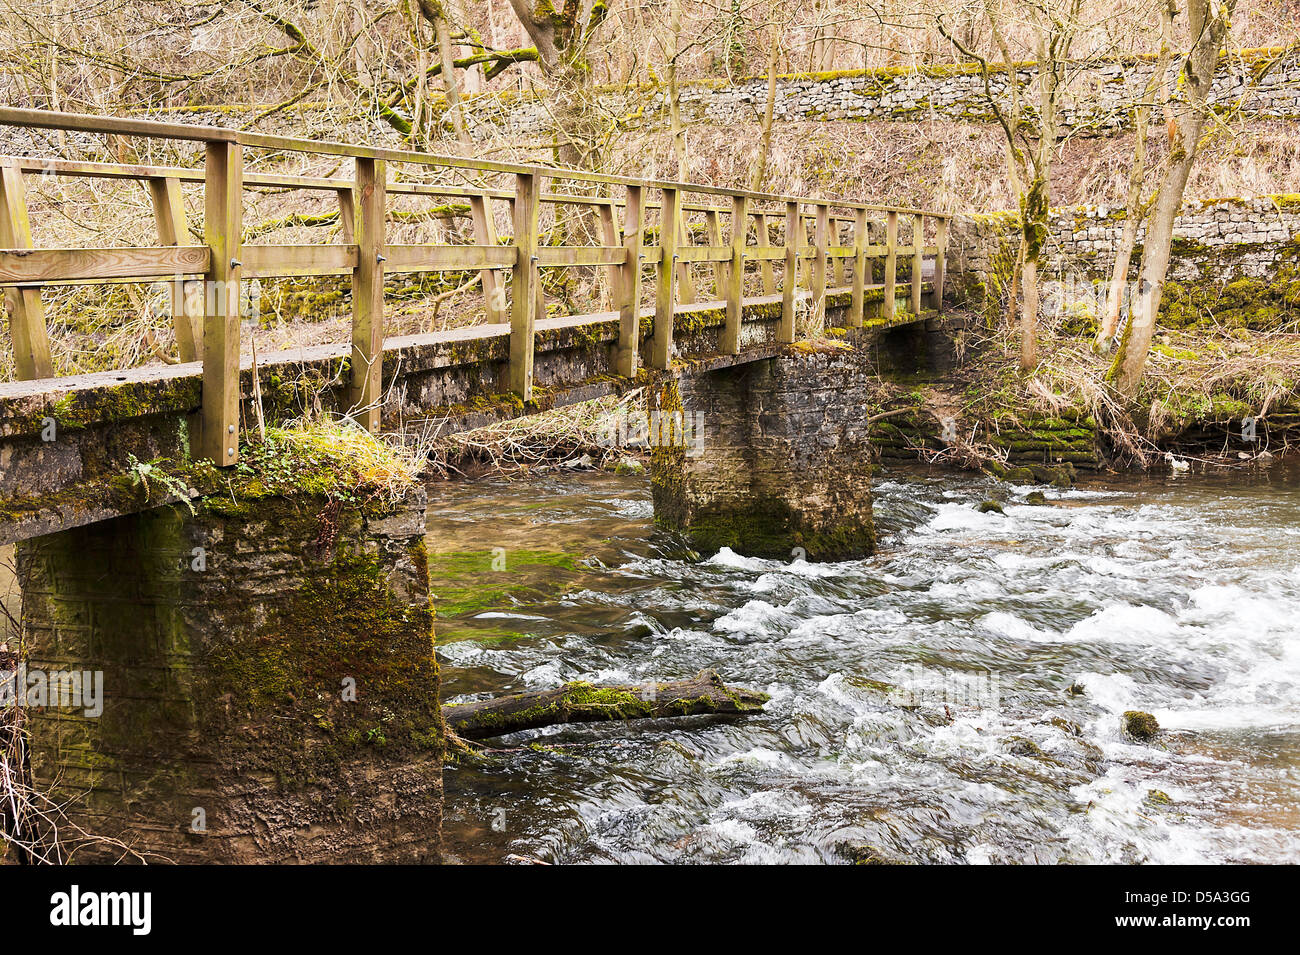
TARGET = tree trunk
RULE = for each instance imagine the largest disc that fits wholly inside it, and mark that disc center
(769, 109)
(674, 94)
(1135, 344)
(1029, 314)
(447, 55)
(1118, 279)
(584, 703)
(1208, 23)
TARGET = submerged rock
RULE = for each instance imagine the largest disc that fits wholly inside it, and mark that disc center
(1140, 725)
(1157, 798)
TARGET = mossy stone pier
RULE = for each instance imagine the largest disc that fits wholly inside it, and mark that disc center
(780, 465)
(270, 692)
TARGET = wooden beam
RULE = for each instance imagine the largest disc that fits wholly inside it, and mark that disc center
(365, 392)
(485, 233)
(857, 305)
(449, 258)
(629, 290)
(569, 256)
(918, 254)
(223, 220)
(661, 350)
(271, 261)
(27, 332)
(524, 283)
(891, 266)
(735, 289)
(790, 281)
(173, 229)
(97, 266)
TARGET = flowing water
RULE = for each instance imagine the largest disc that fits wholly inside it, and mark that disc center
(921, 707)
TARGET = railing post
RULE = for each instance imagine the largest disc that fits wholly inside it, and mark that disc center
(27, 331)
(485, 233)
(891, 266)
(790, 283)
(366, 393)
(918, 256)
(730, 344)
(821, 241)
(858, 267)
(764, 239)
(173, 229)
(524, 286)
(223, 223)
(940, 261)
(629, 305)
(665, 294)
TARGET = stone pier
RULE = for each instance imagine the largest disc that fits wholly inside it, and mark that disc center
(270, 692)
(779, 464)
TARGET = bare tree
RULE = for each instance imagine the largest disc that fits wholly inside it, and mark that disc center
(1207, 28)
(1028, 119)
(1137, 203)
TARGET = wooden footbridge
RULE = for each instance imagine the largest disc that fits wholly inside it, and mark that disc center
(656, 238)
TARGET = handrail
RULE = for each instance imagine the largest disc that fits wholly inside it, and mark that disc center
(80, 122)
(207, 325)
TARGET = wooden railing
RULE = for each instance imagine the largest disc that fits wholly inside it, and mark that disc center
(206, 278)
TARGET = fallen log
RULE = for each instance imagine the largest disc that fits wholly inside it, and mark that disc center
(582, 702)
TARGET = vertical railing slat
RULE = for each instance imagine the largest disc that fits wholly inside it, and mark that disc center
(765, 269)
(685, 270)
(790, 281)
(173, 229)
(665, 293)
(730, 344)
(891, 266)
(821, 241)
(485, 233)
(720, 269)
(918, 257)
(940, 261)
(223, 222)
(27, 332)
(858, 269)
(611, 239)
(366, 393)
(525, 286)
(629, 309)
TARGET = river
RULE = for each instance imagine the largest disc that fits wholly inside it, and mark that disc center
(921, 699)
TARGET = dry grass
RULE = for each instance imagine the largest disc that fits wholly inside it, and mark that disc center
(522, 444)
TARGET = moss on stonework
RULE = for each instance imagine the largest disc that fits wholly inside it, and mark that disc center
(772, 529)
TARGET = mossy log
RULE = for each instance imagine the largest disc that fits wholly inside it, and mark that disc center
(582, 702)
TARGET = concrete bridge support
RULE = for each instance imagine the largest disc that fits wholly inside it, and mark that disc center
(777, 462)
(270, 692)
